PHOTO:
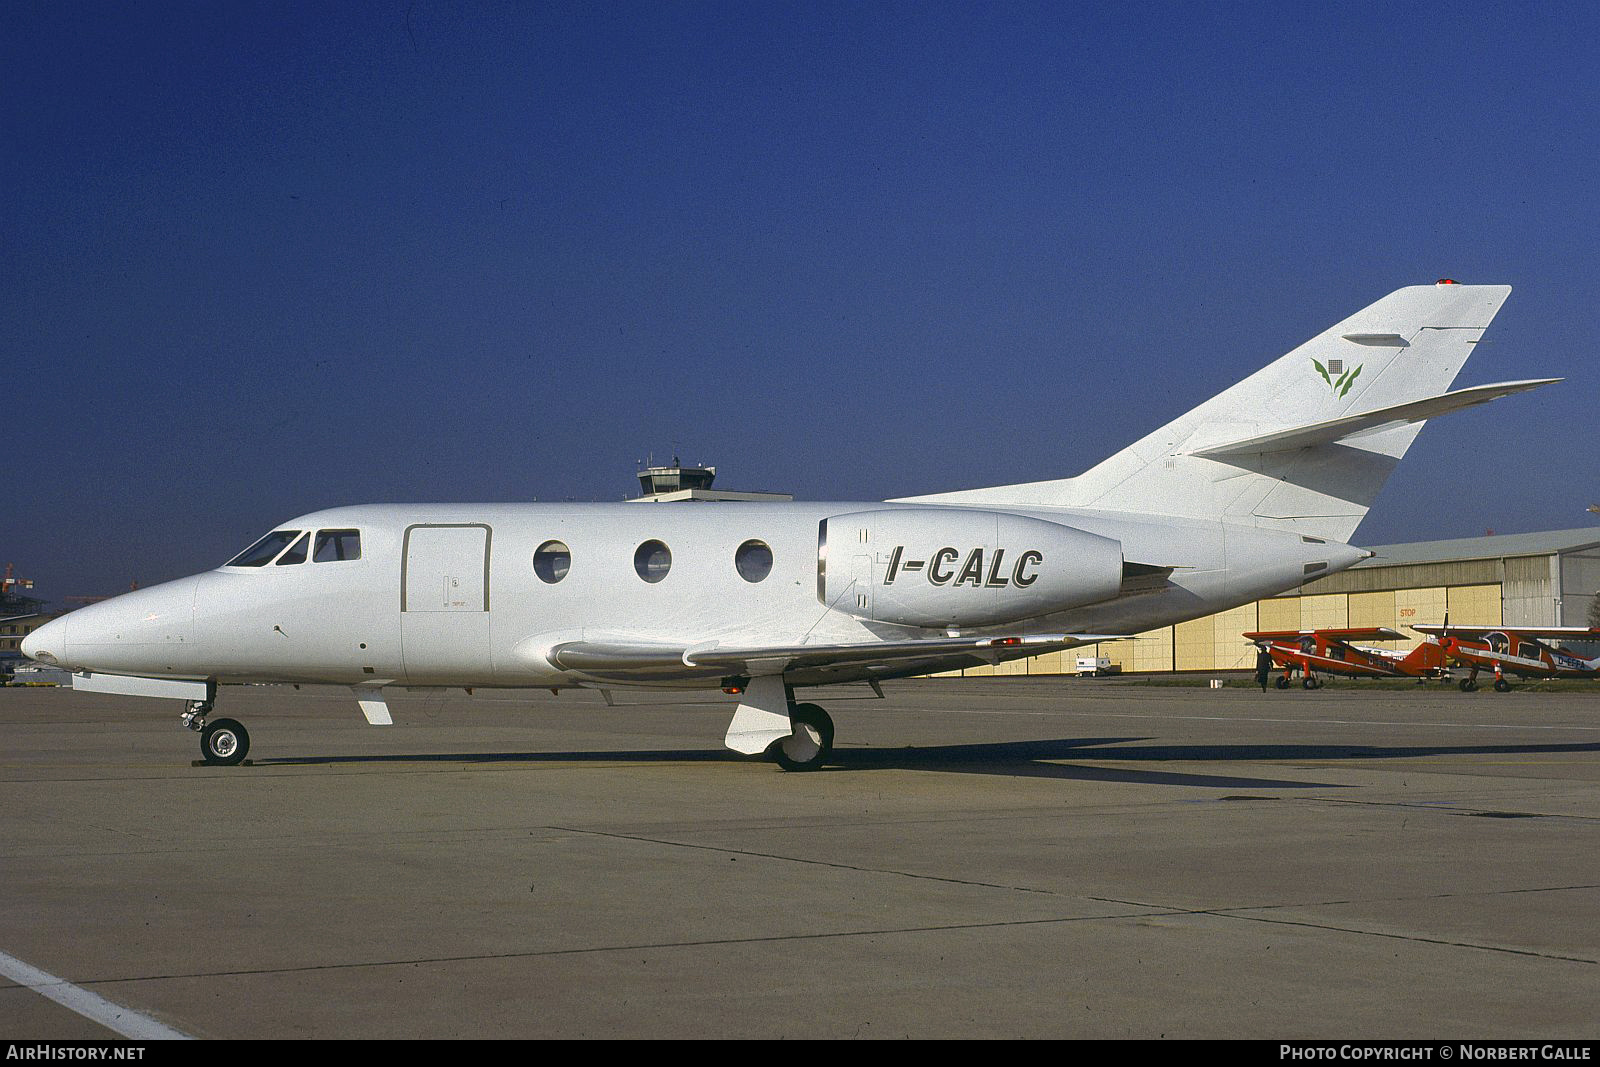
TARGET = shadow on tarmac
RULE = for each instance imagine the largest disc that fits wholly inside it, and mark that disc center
(1061, 759)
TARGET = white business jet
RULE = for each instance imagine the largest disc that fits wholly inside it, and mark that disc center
(1251, 493)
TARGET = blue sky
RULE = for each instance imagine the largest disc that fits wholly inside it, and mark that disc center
(258, 259)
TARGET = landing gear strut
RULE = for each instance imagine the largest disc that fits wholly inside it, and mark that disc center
(223, 742)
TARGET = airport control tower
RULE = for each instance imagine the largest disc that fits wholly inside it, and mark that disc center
(666, 484)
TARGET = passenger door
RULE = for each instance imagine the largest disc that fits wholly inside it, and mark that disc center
(444, 604)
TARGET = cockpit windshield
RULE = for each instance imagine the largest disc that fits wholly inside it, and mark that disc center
(330, 546)
(263, 551)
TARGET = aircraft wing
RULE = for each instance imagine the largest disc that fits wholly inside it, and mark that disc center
(799, 656)
(1369, 422)
(1576, 633)
(624, 658)
(1357, 633)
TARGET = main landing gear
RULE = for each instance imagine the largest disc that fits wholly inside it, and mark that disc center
(769, 722)
(1469, 684)
(223, 742)
(811, 743)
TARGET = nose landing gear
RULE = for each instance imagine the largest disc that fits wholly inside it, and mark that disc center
(223, 742)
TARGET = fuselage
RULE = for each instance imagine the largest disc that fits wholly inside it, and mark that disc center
(468, 595)
(1508, 652)
(1358, 661)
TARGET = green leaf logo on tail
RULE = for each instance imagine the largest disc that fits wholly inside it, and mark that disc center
(1340, 385)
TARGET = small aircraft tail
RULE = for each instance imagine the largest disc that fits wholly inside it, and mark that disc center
(1425, 658)
(1305, 443)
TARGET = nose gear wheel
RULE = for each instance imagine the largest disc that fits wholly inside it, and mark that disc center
(224, 742)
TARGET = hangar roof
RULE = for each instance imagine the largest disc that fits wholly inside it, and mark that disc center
(1547, 543)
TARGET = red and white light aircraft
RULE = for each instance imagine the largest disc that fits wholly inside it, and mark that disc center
(1524, 651)
(1330, 651)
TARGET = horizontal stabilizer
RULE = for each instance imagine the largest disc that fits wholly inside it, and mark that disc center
(1369, 422)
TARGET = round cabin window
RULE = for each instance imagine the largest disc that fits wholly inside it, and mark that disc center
(552, 561)
(753, 560)
(652, 560)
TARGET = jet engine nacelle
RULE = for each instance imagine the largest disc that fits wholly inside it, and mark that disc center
(958, 567)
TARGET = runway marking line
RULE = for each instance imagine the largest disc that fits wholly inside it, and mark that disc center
(131, 1024)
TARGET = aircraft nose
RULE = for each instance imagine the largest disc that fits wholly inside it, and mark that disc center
(143, 632)
(48, 644)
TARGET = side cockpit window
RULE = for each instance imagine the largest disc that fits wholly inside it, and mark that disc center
(265, 550)
(335, 545)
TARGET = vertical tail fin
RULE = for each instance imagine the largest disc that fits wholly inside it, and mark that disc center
(1428, 656)
(1407, 347)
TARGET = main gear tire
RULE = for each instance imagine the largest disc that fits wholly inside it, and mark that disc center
(811, 743)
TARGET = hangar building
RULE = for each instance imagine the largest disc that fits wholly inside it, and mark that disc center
(1536, 579)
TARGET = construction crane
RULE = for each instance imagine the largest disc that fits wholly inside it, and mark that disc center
(11, 582)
